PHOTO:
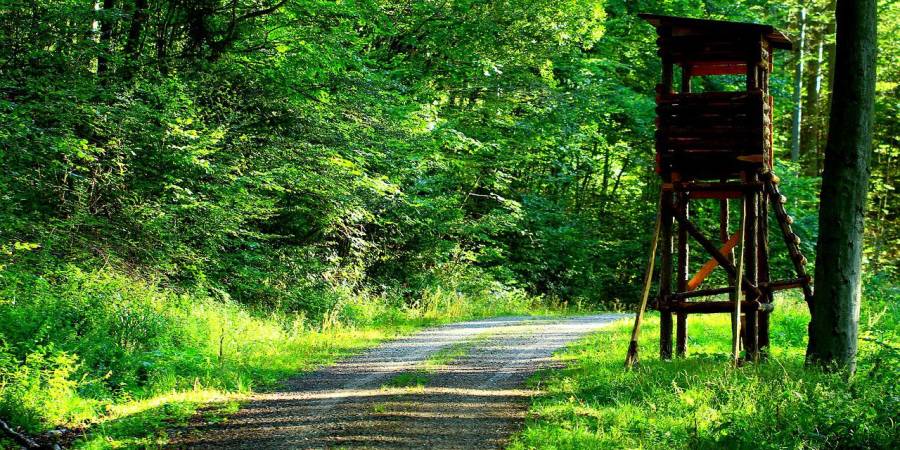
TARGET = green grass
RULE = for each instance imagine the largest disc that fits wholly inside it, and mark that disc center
(703, 402)
(123, 359)
(408, 380)
(419, 377)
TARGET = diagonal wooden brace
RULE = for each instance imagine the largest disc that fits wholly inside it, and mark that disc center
(714, 251)
(710, 265)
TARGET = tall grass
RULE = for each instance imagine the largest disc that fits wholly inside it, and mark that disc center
(703, 402)
(123, 356)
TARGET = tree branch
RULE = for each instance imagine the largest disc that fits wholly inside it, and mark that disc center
(19, 438)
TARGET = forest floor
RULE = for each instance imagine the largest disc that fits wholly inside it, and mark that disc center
(455, 386)
(703, 401)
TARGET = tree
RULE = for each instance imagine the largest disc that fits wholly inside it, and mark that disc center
(798, 82)
(835, 307)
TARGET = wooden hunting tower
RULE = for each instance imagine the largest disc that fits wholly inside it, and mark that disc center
(718, 145)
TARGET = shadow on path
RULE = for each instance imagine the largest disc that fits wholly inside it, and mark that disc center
(474, 401)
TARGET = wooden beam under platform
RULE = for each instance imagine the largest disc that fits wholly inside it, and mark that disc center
(697, 186)
(773, 286)
(718, 307)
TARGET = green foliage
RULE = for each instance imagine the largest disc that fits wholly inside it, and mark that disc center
(42, 390)
(193, 190)
(704, 402)
(81, 347)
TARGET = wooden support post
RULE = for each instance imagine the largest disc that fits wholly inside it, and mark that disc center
(667, 67)
(749, 247)
(665, 277)
(764, 276)
(665, 232)
(738, 294)
(724, 237)
(681, 326)
(752, 75)
(682, 275)
(685, 79)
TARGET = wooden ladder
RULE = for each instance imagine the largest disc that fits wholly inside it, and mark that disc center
(791, 240)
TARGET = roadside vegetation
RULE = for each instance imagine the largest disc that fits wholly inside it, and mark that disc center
(128, 358)
(200, 198)
(702, 401)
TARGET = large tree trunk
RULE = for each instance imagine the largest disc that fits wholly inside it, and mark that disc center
(835, 307)
(831, 57)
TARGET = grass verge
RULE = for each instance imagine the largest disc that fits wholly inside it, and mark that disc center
(118, 360)
(703, 402)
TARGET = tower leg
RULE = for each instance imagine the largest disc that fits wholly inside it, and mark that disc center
(764, 277)
(681, 326)
(665, 277)
(724, 234)
(750, 326)
(681, 334)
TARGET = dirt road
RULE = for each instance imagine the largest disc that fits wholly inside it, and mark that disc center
(455, 386)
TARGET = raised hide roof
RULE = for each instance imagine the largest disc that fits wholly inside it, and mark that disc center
(687, 25)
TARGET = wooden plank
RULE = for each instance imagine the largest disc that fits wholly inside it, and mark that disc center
(702, 97)
(747, 146)
(679, 296)
(707, 129)
(710, 265)
(781, 285)
(719, 69)
(757, 159)
(716, 195)
(696, 186)
(754, 121)
(718, 307)
(766, 288)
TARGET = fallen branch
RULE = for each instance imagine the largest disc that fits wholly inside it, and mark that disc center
(19, 438)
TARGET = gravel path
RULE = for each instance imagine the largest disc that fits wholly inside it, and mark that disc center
(475, 400)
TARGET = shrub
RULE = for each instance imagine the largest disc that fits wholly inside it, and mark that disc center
(41, 390)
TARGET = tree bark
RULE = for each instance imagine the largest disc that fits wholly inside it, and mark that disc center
(830, 53)
(835, 306)
(106, 26)
(133, 42)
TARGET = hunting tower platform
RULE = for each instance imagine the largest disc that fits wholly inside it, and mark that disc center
(717, 146)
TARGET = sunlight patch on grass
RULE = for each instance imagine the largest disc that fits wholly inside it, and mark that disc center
(702, 401)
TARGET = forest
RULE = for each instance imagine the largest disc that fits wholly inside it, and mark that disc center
(200, 198)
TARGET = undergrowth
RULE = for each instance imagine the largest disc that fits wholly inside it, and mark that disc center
(703, 402)
(124, 358)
